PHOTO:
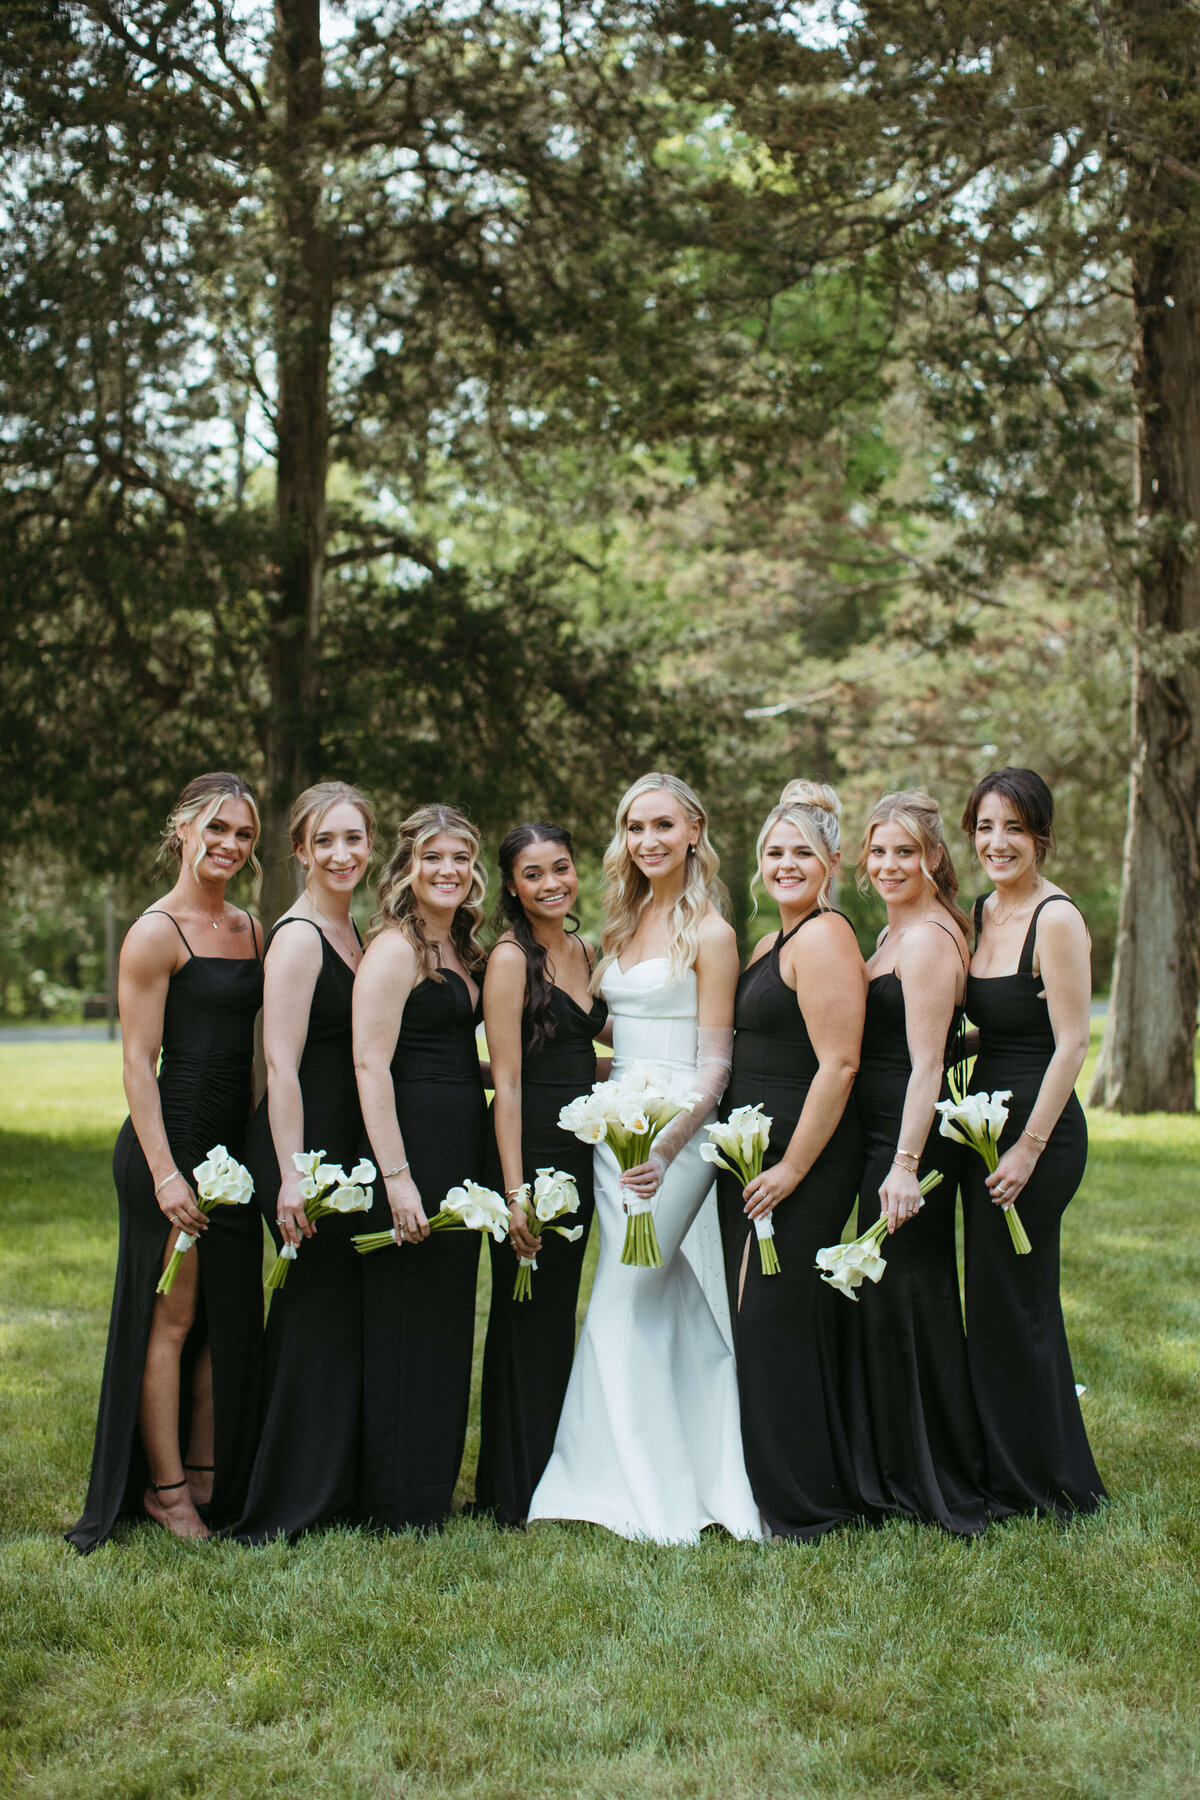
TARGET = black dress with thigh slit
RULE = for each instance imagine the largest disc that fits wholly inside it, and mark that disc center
(788, 1328)
(306, 1469)
(530, 1344)
(1038, 1456)
(925, 1443)
(205, 1085)
(419, 1299)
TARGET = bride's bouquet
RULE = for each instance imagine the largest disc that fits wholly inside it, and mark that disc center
(325, 1188)
(846, 1266)
(739, 1145)
(552, 1197)
(470, 1207)
(627, 1112)
(978, 1120)
(220, 1181)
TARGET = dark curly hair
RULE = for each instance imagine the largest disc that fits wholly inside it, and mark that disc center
(510, 915)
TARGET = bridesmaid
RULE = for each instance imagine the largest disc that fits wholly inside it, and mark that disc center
(416, 1007)
(179, 1397)
(306, 1469)
(924, 1436)
(798, 1017)
(541, 1019)
(1029, 993)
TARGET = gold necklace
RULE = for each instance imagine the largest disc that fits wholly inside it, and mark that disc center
(353, 947)
(1020, 906)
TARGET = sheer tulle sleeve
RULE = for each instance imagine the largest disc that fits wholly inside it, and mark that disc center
(714, 1059)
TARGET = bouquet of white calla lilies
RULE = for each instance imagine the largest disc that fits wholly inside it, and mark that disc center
(627, 1112)
(471, 1207)
(739, 1144)
(325, 1188)
(550, 1197)
(846, 1266)
(977, 1121)
(220, 1181)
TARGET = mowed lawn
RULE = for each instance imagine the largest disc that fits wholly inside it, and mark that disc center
(1039, 1661)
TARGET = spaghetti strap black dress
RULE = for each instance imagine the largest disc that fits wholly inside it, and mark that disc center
(205, 1085)
(788, 1328)
(305, 1472)
(419, 1299)
(923, 1438)
(1038, 1456)
(530, 1344)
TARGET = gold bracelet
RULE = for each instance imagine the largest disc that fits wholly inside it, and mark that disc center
(1037, 1140)
(910, 1155)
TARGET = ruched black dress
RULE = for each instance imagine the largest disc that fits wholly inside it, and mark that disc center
(530, 1344)
(306, 1469)
(205, 1085)
(1038, 1456)
(419, 1299)
(788, 1328)
(925, 1445)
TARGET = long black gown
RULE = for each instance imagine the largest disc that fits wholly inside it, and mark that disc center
(205, 1085)
(419, 1299)
(788, 1328)
(925, 1443)
(306, 1470)
(1038, 1456)
(530, 1344)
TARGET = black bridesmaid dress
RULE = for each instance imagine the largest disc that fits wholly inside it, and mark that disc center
(1038, 1456)
(788, 1328)
(419, 1299)
(923, 1440)
(205, 1085)
(306, 1470)
(530, 1344)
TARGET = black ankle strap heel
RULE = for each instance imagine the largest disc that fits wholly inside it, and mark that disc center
(164, 1487)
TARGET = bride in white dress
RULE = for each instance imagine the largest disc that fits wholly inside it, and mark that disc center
(649, 1443)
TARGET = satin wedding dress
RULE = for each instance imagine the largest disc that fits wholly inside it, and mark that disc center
(649, 1443)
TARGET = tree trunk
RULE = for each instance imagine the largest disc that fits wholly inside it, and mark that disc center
(304, 304)
(1146, 1062)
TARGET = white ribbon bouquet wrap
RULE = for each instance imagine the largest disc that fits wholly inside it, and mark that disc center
(551, 1197)
(846, 1266)
(325, 1188)
(220, 1181)
(739, 1144)
(470, 1207)
(978, 1121)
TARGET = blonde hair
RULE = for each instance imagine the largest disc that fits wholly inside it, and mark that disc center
(310, 807)
(814, 810)
(397, 903)
(199, 804)
(917, 812)
(626, 889)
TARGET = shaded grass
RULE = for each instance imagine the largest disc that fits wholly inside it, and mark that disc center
(568, 1663)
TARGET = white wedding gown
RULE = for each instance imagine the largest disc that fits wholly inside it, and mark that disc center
(649, 1442)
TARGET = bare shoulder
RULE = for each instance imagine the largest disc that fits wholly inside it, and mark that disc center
(829, 933)
(716, 932)
(296, 947)
(928, 946)
(153, 945)
(506, 968)
(762, 948)
(390, 957)
(1062, 927)
(506, 953)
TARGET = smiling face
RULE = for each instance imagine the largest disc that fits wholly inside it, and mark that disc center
(659, 834)
(216, 851)
(544, 881)
(442, 876)
(792, 872)
(894, 863)
(1004, 843)
(337, 852)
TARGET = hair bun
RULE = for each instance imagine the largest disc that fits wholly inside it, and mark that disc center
(814, 794)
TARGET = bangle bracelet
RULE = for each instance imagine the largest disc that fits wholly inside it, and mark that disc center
(1037, 1140)
(908, 1155)
(166, 1178)
(398, 1170)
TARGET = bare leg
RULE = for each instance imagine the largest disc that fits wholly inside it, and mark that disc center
(167, 1500)
(199, 1461)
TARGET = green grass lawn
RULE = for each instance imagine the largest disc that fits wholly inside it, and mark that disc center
(1038, 1661)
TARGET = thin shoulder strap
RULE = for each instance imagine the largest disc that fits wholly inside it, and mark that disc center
(583, 946)
(977, 915)
(290, 919)
(954, 938)
(160, 913)
(1026, 964)
(251, 921)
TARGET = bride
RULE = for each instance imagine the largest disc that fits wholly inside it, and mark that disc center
(649, 1443)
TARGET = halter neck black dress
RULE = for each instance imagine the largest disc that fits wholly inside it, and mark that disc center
(419, 1299)
(788, 1328)
(922, 1441)
(1038, 1456)
(530, 1345)
(306, 1469)
(205, 1085)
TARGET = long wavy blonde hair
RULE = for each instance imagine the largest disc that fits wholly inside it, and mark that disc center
(397, 902)
(626, 889)
(918, 813)
(814, 810)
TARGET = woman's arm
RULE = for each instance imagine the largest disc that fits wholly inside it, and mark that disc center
(503, 1010)
(289, 981)
(386, 977)
(831, 990)
(1065, 963)
(148, 960)
(929, 968)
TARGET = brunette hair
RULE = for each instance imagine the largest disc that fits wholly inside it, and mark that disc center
(918, 813)
(398, 907)
(310, 807)
(627, 890)
(510, 915)
(815, 811)
(200, 802)
(1025, 790)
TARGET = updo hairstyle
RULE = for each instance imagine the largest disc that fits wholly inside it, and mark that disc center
(917, 812)
(1029, 797)
(814, 810)
(199, 803)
